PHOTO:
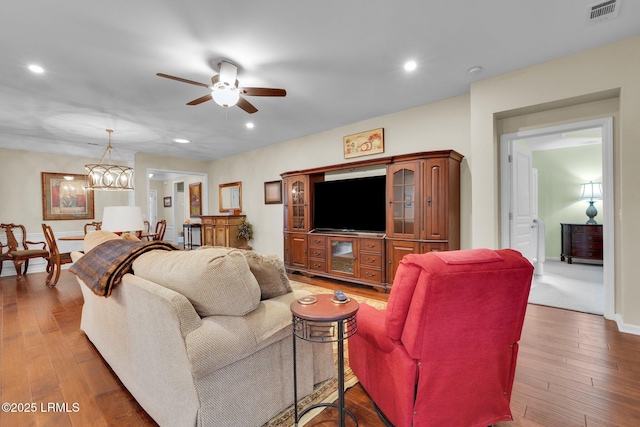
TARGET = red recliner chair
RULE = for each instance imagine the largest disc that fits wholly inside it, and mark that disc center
(444, 351)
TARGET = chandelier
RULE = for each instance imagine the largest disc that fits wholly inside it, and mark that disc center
(105, 176)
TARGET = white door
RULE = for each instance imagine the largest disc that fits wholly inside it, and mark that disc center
(153, 207)
(178, 211)
(522, 206)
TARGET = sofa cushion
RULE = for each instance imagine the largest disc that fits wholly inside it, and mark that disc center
(216, 281)
(269, 272)
(94, 238)
(227, 339)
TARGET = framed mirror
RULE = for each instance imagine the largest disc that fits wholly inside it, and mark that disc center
(230, 197)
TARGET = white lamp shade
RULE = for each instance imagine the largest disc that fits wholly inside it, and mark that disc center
(591, 191)
(122, 218)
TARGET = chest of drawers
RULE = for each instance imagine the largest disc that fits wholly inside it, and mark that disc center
(581, 241)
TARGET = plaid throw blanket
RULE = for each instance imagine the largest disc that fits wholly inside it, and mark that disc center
(102, 267)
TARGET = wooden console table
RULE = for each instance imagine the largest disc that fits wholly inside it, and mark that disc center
(582, 241)
(220, 230)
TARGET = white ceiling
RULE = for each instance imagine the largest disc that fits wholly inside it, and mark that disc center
(340, 62)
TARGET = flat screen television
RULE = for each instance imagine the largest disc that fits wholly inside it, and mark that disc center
(357, 204)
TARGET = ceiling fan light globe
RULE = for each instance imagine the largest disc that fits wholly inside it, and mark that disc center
(225, 96)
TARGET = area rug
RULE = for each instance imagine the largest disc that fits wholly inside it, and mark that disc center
(577, 287)
(327, 391)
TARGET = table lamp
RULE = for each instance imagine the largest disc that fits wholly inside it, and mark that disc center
(119, 219)
(591, 191)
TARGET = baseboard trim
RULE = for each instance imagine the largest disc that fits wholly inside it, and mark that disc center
(628, 329)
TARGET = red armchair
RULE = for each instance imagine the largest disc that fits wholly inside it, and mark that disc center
(444, 351)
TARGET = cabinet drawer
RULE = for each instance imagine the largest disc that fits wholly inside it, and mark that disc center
(206, 220)
(370, 260)
(318, 241)
(586, 229)
(316, 265)
(586, 253)
(587, 245)
(579, 238)
(317, 253)
(371, 275)
(433, 247)
(371, 245)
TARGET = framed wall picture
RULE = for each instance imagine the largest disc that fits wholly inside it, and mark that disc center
(273, 192)
(364, 143)
(167, 202)
(195, 199)
(65, 196)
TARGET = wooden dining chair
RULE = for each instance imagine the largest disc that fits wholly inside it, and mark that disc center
(95, 225)
(161, 227)
(144, 234)
(19, 251)
(56, 259)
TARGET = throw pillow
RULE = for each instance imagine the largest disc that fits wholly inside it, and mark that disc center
(270, 273)
(131, 237)
(217, 281)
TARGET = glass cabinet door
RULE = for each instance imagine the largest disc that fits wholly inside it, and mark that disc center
(342, 258)
(403, 192)
(298, 205)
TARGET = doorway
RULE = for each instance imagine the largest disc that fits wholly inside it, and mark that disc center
(178, 212)
(509, 192)
(153, 207)
(176, 209)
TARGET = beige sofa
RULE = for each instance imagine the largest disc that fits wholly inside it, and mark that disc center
(191, 338)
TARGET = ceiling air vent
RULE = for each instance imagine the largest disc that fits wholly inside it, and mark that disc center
(602, 11)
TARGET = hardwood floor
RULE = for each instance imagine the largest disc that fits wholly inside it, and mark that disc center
(574, 369)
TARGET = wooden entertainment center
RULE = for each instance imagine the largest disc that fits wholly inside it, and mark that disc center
(422, 215)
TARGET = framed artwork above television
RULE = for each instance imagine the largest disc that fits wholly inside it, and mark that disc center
(364, 143)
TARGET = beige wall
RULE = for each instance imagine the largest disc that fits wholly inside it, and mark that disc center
(21, 189)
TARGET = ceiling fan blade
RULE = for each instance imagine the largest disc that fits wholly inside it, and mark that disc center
(246, 106)
(180, 79)
(200, 100)
(263, 91)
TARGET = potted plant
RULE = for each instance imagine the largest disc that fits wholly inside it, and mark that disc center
(245, 233)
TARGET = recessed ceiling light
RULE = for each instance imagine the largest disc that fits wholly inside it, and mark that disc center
(181, 140)
(475, 70)
(36, 69)
(410, 65)
(250, 125)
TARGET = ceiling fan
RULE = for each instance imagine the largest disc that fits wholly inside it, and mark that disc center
(225, 91)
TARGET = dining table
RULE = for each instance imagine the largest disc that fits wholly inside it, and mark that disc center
(80, 237)
(142, 235)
